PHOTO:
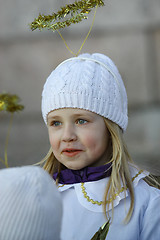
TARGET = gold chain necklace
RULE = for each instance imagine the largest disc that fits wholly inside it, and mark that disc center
(101, 202)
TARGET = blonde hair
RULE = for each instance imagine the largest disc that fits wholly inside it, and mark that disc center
(120, 169)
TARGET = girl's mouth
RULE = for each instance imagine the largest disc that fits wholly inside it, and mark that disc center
(71, 152)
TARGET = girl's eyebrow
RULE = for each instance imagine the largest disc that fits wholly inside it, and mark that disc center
(79, 114)
(72, 115)
(82, 115)
(52, 117)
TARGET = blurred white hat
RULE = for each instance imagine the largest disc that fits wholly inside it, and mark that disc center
(30, 205)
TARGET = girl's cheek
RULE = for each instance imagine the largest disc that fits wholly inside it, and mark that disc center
(52, 141)
(90, 141)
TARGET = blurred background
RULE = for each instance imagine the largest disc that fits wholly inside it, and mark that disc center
(127, 31)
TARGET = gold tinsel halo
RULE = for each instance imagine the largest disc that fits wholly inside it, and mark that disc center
(77, 11)
(10, 103)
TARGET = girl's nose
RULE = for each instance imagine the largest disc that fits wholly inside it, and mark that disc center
(69, 134)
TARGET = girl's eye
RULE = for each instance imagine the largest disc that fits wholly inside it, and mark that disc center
(81, 121)
(56, 123)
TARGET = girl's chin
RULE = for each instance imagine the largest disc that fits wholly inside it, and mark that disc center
(74, 166)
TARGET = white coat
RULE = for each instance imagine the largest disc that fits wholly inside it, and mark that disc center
(81, 218)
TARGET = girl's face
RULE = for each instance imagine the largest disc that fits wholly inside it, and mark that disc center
(78, 138)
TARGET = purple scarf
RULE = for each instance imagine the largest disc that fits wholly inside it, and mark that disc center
(87, 174)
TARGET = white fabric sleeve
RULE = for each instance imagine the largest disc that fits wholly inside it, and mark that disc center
(151, 220)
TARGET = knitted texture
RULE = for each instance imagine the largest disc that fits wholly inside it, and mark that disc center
(30, 205)
(90, 82)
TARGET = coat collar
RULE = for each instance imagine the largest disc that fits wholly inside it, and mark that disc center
(96, 189)
(87, 174)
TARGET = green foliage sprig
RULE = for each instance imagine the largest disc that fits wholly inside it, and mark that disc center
(9, 103)
(77, 11)
(101, 234)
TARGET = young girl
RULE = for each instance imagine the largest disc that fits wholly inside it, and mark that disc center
(84, 105)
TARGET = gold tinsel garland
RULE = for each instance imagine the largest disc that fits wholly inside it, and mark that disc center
(77, 11)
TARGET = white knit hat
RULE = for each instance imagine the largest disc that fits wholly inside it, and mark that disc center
(90, 82)
(30, 205)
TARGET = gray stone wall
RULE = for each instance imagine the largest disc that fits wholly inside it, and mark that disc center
(127, 31)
